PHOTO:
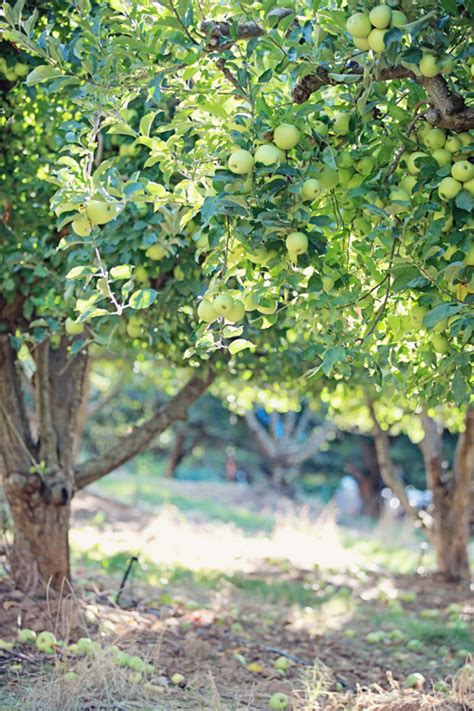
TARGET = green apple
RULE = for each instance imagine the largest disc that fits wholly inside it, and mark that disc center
(178, 273)
(206, 311)
(178, 679)
(73, 328)
(6, 646)
(428, 66)
(408, 183)
(237, 312)
(361, 43)
(296, 243)
(412, 162)
(286, 136)
(45, 642)
(356, 180)
(449, 188)
(278, 701)
(442, 157)
(435, 138)
(448, 223)
(26, 636)
(414, 645)
(223, 304)
(341, 123)
(417, 315)
(328, 283)
(134, 330)
(85, 646)
(71, 676)
(415, 681)
(81, 225)
(136, 663)
(399, 19)
(465, 138)
(121, 658)
(21, 70)
(156, 252)
(135, 677)
(261, 255)
(380, 16)
(359, 25)
(100, 212)
(376, 41)
(365, 165)
(320, 128)
(345, 160)
(267, 154)
(423, 129)
(281, 663)
(453, 144)
(463, 171)
(310, 189)
(398, 195)
(141, 274)
(469, 186)
(328, 178)
(440, 344)
(344, 176)
(374, 637)
(240, 162)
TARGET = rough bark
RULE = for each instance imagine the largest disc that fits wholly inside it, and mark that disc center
(143, 435)
(38, 478)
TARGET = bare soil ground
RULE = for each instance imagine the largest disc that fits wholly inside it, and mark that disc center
(219, 607)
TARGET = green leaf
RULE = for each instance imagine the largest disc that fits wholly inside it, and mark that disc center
(439, 313)
(145, 123)
(80, 272)
(143, 298)
(123, 271)
(331, 357)
(42, 73)
(459, 387)
(465, 201)
(240, 344)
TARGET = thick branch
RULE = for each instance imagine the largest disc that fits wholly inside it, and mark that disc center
(265, 441)
(431, 447)
(299, 453)
(223, 34)
(142, 436)
(48, 442)
(311, 83)
(448, 109)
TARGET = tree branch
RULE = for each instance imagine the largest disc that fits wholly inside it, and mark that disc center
(141, 436)
(264, 440)
(464, 463)
(231, 33)
(387, 471)
(299, 453)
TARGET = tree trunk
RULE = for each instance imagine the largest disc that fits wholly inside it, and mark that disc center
(39, 474)
(40, 550)
(177, 455)
(451, 498)
(368, 482)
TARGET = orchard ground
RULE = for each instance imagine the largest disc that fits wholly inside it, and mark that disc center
(228, 580)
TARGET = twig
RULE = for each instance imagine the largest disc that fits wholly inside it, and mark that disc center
(220, 64)
(282, 653)
(385, 299)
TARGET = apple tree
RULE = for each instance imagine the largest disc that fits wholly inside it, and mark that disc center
(270, 191)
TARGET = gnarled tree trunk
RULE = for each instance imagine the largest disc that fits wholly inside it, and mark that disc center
(451, 497)
(40, 475)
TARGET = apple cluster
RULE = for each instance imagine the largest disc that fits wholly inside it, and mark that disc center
(368, 29)
(450, 151)
(96, 212)
(285, 137)
(13, 72)
(368, 32)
